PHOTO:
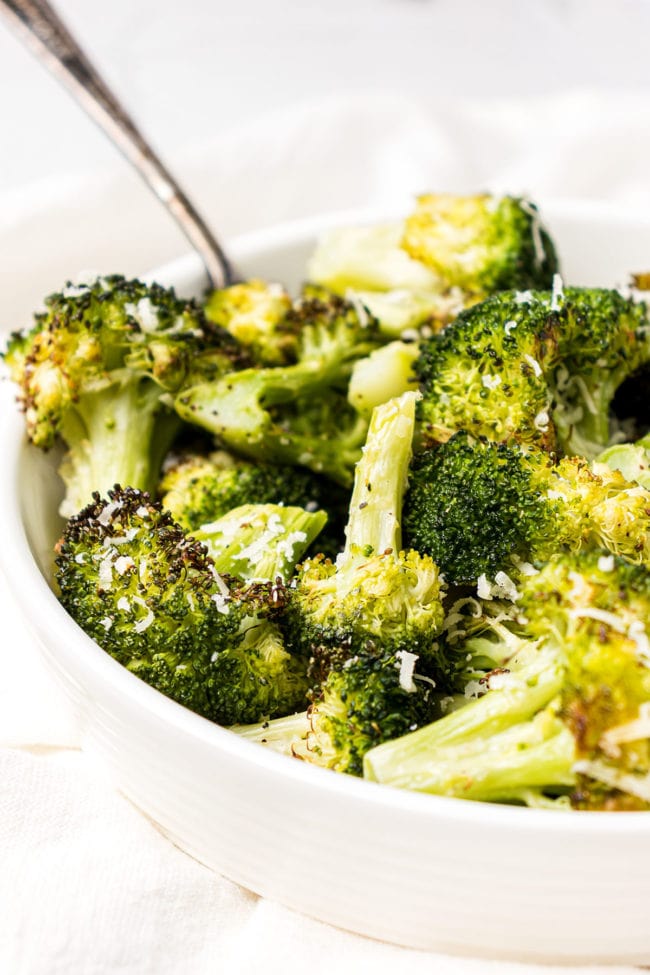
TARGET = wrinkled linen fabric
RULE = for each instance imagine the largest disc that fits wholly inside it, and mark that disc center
(88, 884)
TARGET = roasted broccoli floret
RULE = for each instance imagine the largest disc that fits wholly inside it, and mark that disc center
(199, 488)
(566, 712)
(481, 243)
(451, 252)
(542, 367)
(296, 414)
(473, 504)
(261, 541)
(255, 313)
(94, 370)
(150, 595)
(376, 595)
(373, 697)
(486, 373)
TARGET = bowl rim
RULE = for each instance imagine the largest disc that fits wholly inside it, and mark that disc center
(72, 648)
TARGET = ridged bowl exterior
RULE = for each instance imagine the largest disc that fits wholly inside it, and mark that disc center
(417, 870)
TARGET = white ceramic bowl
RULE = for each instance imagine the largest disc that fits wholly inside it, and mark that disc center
(413, 869)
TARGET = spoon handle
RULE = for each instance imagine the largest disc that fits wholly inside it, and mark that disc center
(46, 35)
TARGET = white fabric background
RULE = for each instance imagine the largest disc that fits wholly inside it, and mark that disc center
(87, 884)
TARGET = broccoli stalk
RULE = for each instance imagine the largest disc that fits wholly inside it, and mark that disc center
(383, 375)
(294, 414)
(118, 434)
(286, 735)
(375, 595)
(566, 714)
(496, 747)
(96, 369)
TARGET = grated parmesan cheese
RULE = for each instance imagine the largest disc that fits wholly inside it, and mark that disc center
(542, 420)
(557, 294)
(637, 633)
(407, 666)
(483, 587)
(503, 587)
(123, 564)
(534, 365)
(105, 515)
(144, 623)
(145, 314)
(601, 616)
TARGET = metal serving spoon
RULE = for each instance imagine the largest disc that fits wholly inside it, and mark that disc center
(47, 36)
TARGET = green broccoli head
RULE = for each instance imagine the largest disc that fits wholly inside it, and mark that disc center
(367, 699)
(451, 252)
(564, 714)
(542, 367)
(375, 594)
(150, 596)
(94, 369)
(138, 585)
(598, 606)
(295, 414)
(605, 340)
(486, 372)
(199, 488)
(473, 505)
(390, 600)
(470, 505)
(254, 312)
(481, 243)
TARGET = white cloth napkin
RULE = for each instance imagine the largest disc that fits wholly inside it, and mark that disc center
(87, 884)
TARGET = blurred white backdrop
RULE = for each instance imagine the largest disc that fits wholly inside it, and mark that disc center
(201, 75)
(194, 68)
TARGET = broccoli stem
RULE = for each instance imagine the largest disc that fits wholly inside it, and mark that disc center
(237, 410)
(374, 523)
(283, 735)
(537, 754)
(588, 436)
(116, 435)
(495, 747)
